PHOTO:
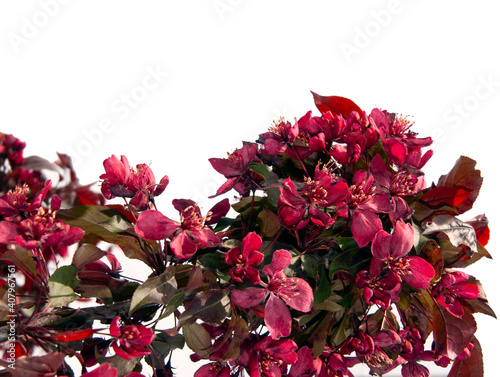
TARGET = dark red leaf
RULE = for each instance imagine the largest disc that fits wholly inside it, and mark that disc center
(335, 104)
(452, 334)
(38, 366)
(464, 176)
(71, 336)
(470, 367)
(451, 196)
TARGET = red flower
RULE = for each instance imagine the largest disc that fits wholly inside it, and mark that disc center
(268, 357)
(281, 135)
(333, 364)
(368, 348)
(451, 288)
(236, 169)
(116, 177)
(143, 184)
(140, 185)
(282, 291)
(245, 259)
(188, 234)
(215, 369)
(406, 181)
(412, 350)
(391, 250)
(104, 370)
(323, 131)
(130, 340)
(364, 203)
(379, 288)
(359, 135)
(324, 191)
(11, 148)
(15, 202)
(41, 230)
(397, 139)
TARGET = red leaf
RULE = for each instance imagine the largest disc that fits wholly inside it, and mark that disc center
(480, 224)
(71, 336)
(452, 334)
(451, 196)
(337, 105)
(470, 367)
(464, 176)
(38, 366)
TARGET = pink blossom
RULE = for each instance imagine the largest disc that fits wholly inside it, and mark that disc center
(392, 249)
(451, 289)
(364, 204)
(130, 340)
(245, 258)
(282, 291)
(187, 235)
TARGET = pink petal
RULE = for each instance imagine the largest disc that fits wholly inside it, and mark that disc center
(396, 150)
(205, 236)
(420, 273)
(281, 260)
(251, 242)
(402, 239)
(218, 211)
(153, 225)
(114, 329)
(226, 186)
(467, 291)
(297, 293)
(161, 186)
(364, 226)
(248, 297)
(183, 246)
(232, 255)
(381, 245)
(277, 318)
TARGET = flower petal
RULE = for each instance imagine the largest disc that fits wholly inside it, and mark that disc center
(248, 297)
(277, 318)
(183, 246)
(364, 226)
(153, 225)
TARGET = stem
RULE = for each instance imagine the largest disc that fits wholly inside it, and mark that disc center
(273, 241)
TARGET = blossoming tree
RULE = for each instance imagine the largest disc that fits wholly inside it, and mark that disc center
(335, 253)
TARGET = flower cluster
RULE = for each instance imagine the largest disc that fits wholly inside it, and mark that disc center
(335, 253)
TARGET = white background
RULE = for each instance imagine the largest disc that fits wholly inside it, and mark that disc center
(226, 68)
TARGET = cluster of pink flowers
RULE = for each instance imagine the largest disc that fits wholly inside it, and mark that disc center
(338, 254)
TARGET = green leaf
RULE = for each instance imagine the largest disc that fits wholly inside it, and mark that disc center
(61, 286)
(239, 328)
(323, 289)
(22, 259)
(101, 292)
(351, 260)
(330, 305)
(162, 346)
(173, 304)
(157, 289)
(211, 261)
(86, 254)
(210, 306)
(269, 223)
(124, 366)
(197, 339)
(106, 224)
(321, 332)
